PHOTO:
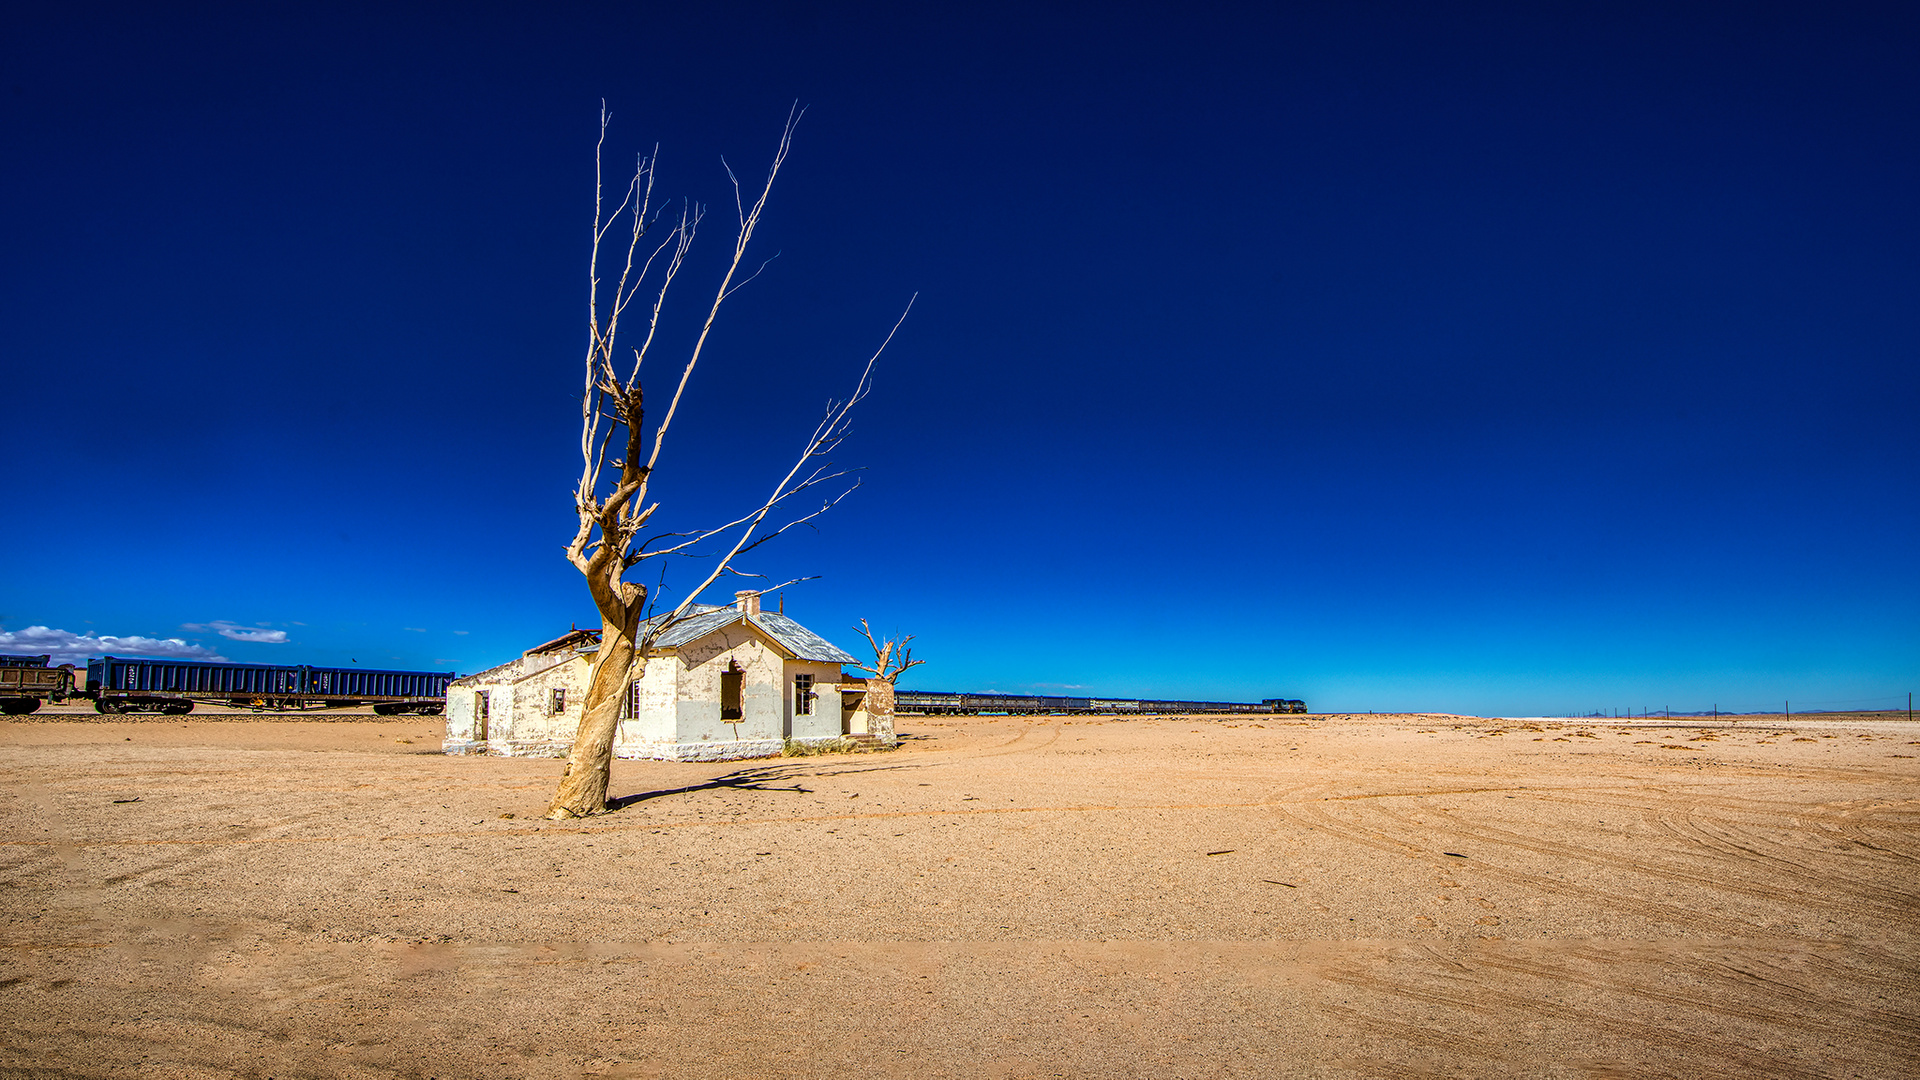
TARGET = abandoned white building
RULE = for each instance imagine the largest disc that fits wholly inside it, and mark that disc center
(728, 682)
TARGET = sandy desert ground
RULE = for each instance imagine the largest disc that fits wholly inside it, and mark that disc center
(1344, 896)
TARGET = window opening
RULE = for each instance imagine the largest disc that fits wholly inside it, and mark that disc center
(559, 700)
(803, 694)
(730, 691)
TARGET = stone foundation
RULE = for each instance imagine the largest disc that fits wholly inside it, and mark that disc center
(728, 750)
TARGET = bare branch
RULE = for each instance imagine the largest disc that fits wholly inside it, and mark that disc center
(689, 225)
(890, 657)
(826, 434)
(749, 220)
(824, 507)
(735, 181)
(748, 280)
(781, 585)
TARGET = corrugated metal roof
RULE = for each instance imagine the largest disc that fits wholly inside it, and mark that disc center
(801, 641)
(695, 627)
(796, 639)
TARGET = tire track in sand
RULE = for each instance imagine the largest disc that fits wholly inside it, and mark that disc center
(1491, 834)
(1890, 1028)
(1701, 831)
(1461, 994)
(1654, 910)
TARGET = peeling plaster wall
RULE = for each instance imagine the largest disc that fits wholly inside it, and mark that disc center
(538, 731)
(650, 731)
(465, 732)
(460, 734)
(697, 698)
(519, 722)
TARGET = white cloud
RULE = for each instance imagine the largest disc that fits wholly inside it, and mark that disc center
(67, 647)
(462, 633)
(234, 631)
(415, 629)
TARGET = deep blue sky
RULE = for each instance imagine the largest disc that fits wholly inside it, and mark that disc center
(1486, 358)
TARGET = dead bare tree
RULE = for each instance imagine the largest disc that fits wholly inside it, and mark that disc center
(890, 658)
(611, 497)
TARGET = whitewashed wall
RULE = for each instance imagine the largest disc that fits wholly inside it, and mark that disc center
(677, 708)
(825, 721)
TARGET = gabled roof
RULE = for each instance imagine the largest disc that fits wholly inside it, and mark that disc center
(803, 643)
(572, 639)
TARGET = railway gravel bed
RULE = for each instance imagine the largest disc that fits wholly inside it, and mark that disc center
(86, 714)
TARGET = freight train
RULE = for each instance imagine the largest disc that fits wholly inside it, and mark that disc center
(119, 684)
(940, 703)
(134, 684)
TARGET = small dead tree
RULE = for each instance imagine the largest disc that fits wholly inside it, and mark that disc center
(890, 658)
(611, 496)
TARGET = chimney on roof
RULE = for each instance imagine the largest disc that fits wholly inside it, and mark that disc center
(748, 601)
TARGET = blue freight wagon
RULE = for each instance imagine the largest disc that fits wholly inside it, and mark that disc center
(136, 684)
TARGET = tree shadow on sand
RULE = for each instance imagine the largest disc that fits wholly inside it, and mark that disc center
(758, 778)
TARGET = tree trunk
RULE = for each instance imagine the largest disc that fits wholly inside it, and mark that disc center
(879, 703)
(583, 784)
